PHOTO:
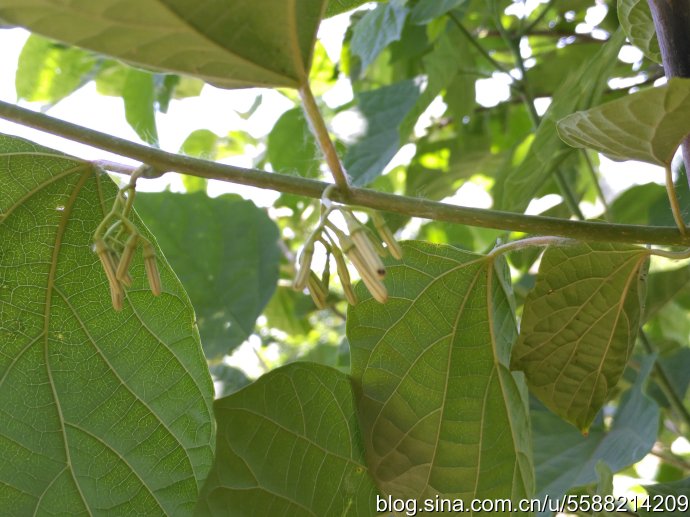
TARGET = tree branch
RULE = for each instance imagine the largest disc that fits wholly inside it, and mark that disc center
(409, 206)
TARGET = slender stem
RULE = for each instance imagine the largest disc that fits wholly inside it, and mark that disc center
(530, 242)
(539, 18)
(528, 98)
(597, 185)
(409, 206)
(318, 126)
(473, 41)
(671, 458)
(673, 200)
(664, 382)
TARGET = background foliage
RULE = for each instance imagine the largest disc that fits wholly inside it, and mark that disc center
(485, 375)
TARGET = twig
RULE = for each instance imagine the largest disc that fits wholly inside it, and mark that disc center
(318, 126)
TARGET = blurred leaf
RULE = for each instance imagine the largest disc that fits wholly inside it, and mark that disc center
(291, 146)
(204, 143)
(288, 311)
(424, 12)
(48, 71)
(230, 378)
(440, 412)
(579, 325)
(670, 499)
(231, 48)
(140, 104)
(289, 444)
(636, 20)
(515, 188)
(647, 125)
(194, 184)
(675, 366)
(449, 56)
(564, 458)
(102, 411)
(552, 67)
(384, 110)
(377, 29)
(225, 251)
(662, 287)
(633, 206)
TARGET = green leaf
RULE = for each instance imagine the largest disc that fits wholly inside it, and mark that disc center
(267, 43)
(103, 412)
(289, 444)
(139, 94)
(450, 55)
(647, 125)
(231, 379)
(565, 459)
(292, 147)
(289, 311)
(424, 12)
(517, 185)
(384, 110)
(225, 251)
(579, 325)
(48, 71)
(377, 29)
(662, 287)
(636, 20)
(440, 412)
(194, 184)
(670, 499)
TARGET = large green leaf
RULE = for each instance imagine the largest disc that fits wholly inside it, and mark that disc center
(48, 72)
(103, 412)
(517, 185)
(341, 6)
(385, 110)
(289, 445)
(648, 125)
(230, 44)
(291, 145)
(225, 251)
(377, 29)
(636, 20)
(579, 325)
(564, 458)
(440, 412)
(139, 95)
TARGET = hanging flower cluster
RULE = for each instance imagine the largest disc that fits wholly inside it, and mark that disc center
(115, 242)
(361, 247)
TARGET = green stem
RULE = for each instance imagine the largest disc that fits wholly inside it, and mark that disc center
(528, 98)
(318, 126)
(409, 206)
(664, 382)
(473, 41)
(597, 185)
(673, 200)
(539, 18)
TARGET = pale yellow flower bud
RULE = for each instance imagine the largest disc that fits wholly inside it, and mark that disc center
(125, 261)
(304, 268)
(151, 267)
(317, 291)
(387, 236)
